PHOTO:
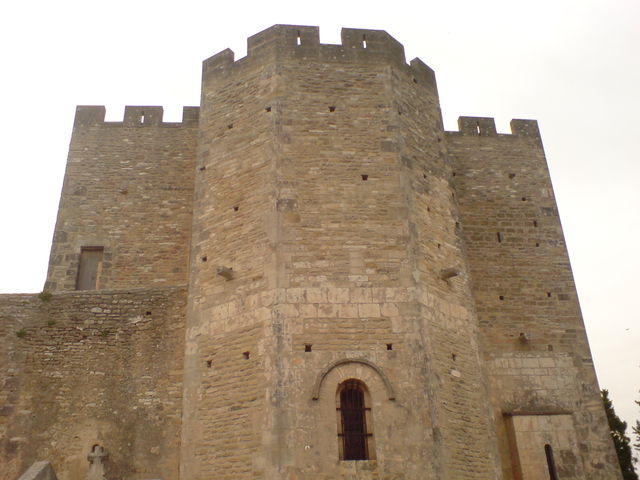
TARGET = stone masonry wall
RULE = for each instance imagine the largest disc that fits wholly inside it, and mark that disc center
(128, 187)
(328, 229)
(317, 165)
(532, 334)
(225, 403)
(81, 369)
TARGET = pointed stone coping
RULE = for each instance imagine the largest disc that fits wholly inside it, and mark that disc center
(39, 471)
(316, 388)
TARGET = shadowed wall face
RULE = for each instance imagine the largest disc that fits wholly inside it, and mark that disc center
(531, 330)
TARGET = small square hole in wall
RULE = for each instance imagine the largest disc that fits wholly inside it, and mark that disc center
(548, 294)
(267, 109)
(230, 126)
(204, 259)
(203, 168)
(524, 199)
(332, 108)
(550, 348)
(209, 363)
(236, 208)
(535, 223)
(246, 355)
(512, 176)
(453, 357)
(537, 244)
(389, 346)
(501, 297)
(364, 177)
(148, 313)
(307, 347)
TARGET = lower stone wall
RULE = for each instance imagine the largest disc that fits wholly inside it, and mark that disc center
(79, 369)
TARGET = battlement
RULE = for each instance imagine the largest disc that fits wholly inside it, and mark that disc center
(486, 127)
(303, 43)
(134, 116)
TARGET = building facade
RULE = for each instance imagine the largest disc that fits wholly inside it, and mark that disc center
(308, 278)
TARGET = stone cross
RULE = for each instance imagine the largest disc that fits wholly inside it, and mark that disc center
(96, 466)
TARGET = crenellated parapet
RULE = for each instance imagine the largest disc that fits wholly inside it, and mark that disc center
(295, 42)
(134, 116)
(486, 127)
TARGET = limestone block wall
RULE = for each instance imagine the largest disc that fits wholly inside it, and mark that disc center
(128, 188)
(224, 391)
(318, 169)
(532, 334)
(81, 369)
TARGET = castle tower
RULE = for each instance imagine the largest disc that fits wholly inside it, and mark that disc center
(324, 193)
(305, 279)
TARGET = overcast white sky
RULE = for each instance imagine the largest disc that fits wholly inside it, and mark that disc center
(574, 65)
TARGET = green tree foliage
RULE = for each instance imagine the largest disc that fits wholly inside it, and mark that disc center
(636, 431)
(621, 442)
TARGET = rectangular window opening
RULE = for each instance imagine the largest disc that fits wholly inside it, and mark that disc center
(364, 41)
(307, 347)
(298, 39)
(89, 268)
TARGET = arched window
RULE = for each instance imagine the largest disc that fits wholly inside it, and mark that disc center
(354, 421)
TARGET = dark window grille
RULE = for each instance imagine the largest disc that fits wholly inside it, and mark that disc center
(551, 463)
(353, 414)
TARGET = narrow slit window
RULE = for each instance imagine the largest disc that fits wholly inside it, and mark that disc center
(364, 41)
(551, 463)
(142, 118)
(89, 268)
(354, 432)
(499, 236)
(298, 39)
(478, 128)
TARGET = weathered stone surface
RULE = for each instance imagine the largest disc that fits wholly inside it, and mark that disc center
(310, 223)
(41, 470)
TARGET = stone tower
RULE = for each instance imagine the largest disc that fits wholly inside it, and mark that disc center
(306, 279)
